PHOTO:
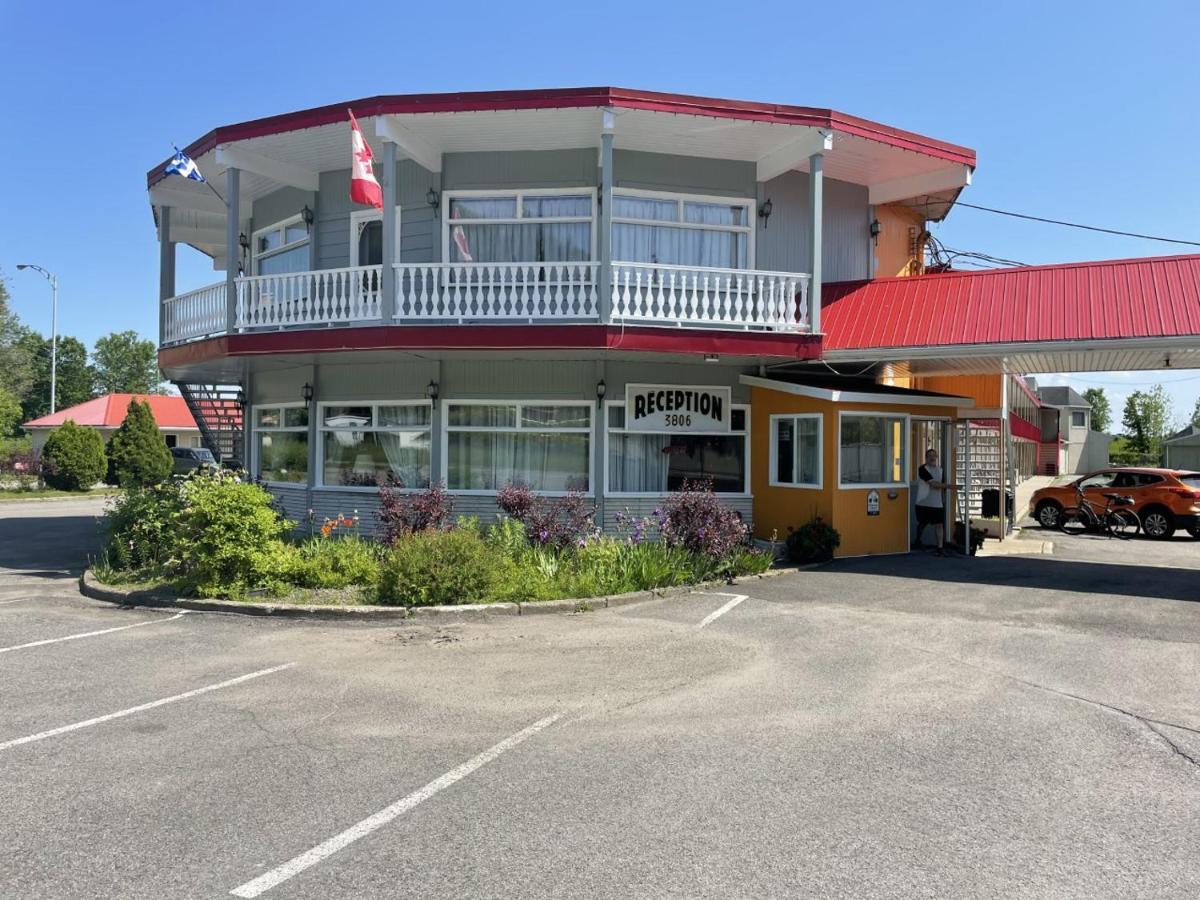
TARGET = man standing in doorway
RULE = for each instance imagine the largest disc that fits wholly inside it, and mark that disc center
(931, 503)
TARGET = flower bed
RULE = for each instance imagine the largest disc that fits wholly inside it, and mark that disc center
(215, 535)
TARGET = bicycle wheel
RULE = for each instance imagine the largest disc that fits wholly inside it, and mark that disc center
(1072, 521)
(1123, 523)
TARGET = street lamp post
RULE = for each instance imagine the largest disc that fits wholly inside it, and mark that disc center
(53, 279)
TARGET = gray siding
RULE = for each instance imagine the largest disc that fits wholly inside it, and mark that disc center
(684, 174)
(519, 169)
(418, 222)
(783, 243)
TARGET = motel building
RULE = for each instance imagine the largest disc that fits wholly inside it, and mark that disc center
(617, 291)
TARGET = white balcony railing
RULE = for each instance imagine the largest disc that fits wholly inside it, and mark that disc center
(526, 292)
(193, 315)
(323, 297)
(642, 293)
(724, 298)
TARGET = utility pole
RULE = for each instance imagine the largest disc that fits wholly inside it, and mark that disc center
(53, 279)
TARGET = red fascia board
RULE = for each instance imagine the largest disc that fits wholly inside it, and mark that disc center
(689, 342)
(559, 98)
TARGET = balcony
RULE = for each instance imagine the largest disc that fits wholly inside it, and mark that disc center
(646, 294)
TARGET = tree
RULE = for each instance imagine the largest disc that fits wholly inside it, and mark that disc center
(1147, 420)
(1101, 411)
(137, 454)
(74, 374)
(126, 364)
(10, 413)
(15, 371)
(73, 458)
(1196, 413)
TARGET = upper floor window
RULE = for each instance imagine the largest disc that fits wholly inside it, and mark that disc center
(366, 237)
(518, 226)
(281, 248)
(1078, 419)
(683, 230)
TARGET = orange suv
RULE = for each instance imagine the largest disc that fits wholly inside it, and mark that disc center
(1164, 499)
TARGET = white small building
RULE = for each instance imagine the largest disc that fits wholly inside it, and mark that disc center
(1182, 449)
(105, 414)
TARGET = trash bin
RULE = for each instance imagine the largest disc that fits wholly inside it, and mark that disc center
(989, 501)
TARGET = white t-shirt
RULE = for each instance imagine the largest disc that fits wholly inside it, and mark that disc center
(927, 496)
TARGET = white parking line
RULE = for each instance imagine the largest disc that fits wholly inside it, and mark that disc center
(268, 880)
(18, 600)
(87, 634)
(54, 732)
(712, 617)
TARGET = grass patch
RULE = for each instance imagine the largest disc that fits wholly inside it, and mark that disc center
(15, 495)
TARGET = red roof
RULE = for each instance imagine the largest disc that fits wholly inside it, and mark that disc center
(555, 98)
(109, 412)
(1128, 298)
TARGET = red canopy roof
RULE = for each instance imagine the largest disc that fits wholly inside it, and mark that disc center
(109, 412)
(1128, 298)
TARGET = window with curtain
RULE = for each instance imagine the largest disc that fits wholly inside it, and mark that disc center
(281, 443)
(871, 449)
(657, 463)
(796, 450)
(680, 231)
(544, 446)
(526, 226)
(281, 248)
(364, 444)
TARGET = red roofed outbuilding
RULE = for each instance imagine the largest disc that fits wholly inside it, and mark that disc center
(105, 414)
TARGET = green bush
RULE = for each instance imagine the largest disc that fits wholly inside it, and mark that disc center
(748, 561)
(812, 542)
(331, 563)
(429, 568)
(73, 458)
(210, 534)
(137, 453)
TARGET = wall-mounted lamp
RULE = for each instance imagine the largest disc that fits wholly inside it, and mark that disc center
(876, 229)
(243, 242)
(307, 392)
(307, 215)
(433, 198)
(601, 390)
(431, 391)
(764, 211)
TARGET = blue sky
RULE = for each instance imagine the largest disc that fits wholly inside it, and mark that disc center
(1086, 117)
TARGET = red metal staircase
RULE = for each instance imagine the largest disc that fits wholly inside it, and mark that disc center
(218, 411)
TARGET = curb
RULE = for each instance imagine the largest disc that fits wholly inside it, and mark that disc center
(466, 612)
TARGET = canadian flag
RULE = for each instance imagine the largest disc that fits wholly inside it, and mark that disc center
(363, 186)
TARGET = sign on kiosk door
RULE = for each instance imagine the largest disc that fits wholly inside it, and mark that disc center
(677, 408)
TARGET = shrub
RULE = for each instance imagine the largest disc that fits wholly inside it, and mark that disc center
(73, 458)
(694, 518)
(209, 533)
(332, 563)
(402, 513)
(812, 542)
(507, 536)
(137, 453)
(750, 561)
(549, 521)
(18, 468)
(431, 567)
(654, 565)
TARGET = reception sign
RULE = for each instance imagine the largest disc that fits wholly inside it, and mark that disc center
(676, 408)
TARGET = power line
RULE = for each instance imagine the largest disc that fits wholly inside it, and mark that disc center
(1133, 234)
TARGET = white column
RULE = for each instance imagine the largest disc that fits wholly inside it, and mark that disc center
(816, 204)
(1004, 431)
(166, 268)
(387, 306)
(604, 239)
(232, 249)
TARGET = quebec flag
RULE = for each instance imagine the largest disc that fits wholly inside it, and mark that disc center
(182, 164)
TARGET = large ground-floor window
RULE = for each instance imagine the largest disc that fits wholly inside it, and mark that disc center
(659, 462)
(281, 443)
(871, 449)
(363, 445)
(545, 446)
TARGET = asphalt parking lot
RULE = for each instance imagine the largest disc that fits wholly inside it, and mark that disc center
(906, 727)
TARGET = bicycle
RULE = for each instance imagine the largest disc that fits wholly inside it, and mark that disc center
(1114, 519)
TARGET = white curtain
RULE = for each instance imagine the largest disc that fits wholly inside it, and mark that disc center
(544, 461)
(637, 463)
